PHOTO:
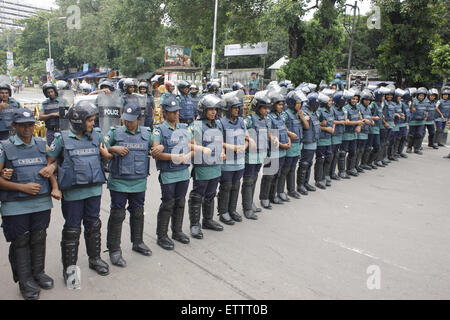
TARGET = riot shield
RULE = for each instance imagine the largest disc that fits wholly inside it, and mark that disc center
(141, 100)
(109, 110)
(66, 99)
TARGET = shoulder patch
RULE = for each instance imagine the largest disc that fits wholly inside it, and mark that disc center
(52, 146)
(156, 132)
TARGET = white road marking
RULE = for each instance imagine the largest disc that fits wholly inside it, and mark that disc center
(365, 253)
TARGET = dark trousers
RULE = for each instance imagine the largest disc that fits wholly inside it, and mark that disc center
(174, 191)
(430, 128)
(440, 124)
(384, 134)
(324, 151)
(252, 169)
(232, 176)
(77, 211)
(336, 147)
(374, 142)
(307, 155)
(119, 200)
(14, 226)
(291, 161)
(206, 188)
(393, 136)
(403, 132)
(349, 146)
(417, 131)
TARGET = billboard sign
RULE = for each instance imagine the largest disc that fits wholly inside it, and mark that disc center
(177, 56)
(246, 49)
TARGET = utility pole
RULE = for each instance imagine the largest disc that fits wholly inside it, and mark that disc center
(213, 56)
(352, 34)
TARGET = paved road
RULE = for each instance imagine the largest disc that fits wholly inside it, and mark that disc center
(394, 221)
(30, 95)
(388, 227)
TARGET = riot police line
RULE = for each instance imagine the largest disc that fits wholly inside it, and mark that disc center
(351, 130)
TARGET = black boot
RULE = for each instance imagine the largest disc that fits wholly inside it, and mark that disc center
(418, 145)
(351, 162)
(326, 171)
(301, 178)
(234, 195)
(166, 210)
(318, 173)
(385, 149)
(195, 206)
(255, 208)
(114, 235)
(365, 159)
(372, 157)
(247, 198)
(341, 166)
(264, 190)
(21, 257)
(177, 222)
(70, 241)
(391, 151)
(396, 153)
(401, 148)
(281, 184)
(137, 232)
(333, 166)
(37, 246)
(359, 155)
(208, 214)
(223, 200)
(92, 238)
(290, 183)
(431, 141)
(308, 175)
(410, 141)
(273, 196)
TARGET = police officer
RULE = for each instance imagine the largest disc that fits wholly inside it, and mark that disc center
(26, 203)
(235, 143)
(433, 96)
(49, 112)
(258, 126)
(363, 148)
(404, 100)
(393, 106)
(170, 88)
(173, 164)
(85, 89)
(353, 123)
(443, 114)
(295, 123)
(187, 111)
(127, 182)
(339, 101)
(7, 107)
(310, 137)
(129, 87)
(374, 135)
(78, 152)
(150, 105)
(208, 134)
(324, 151)
(273, 169)
(419, 107)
